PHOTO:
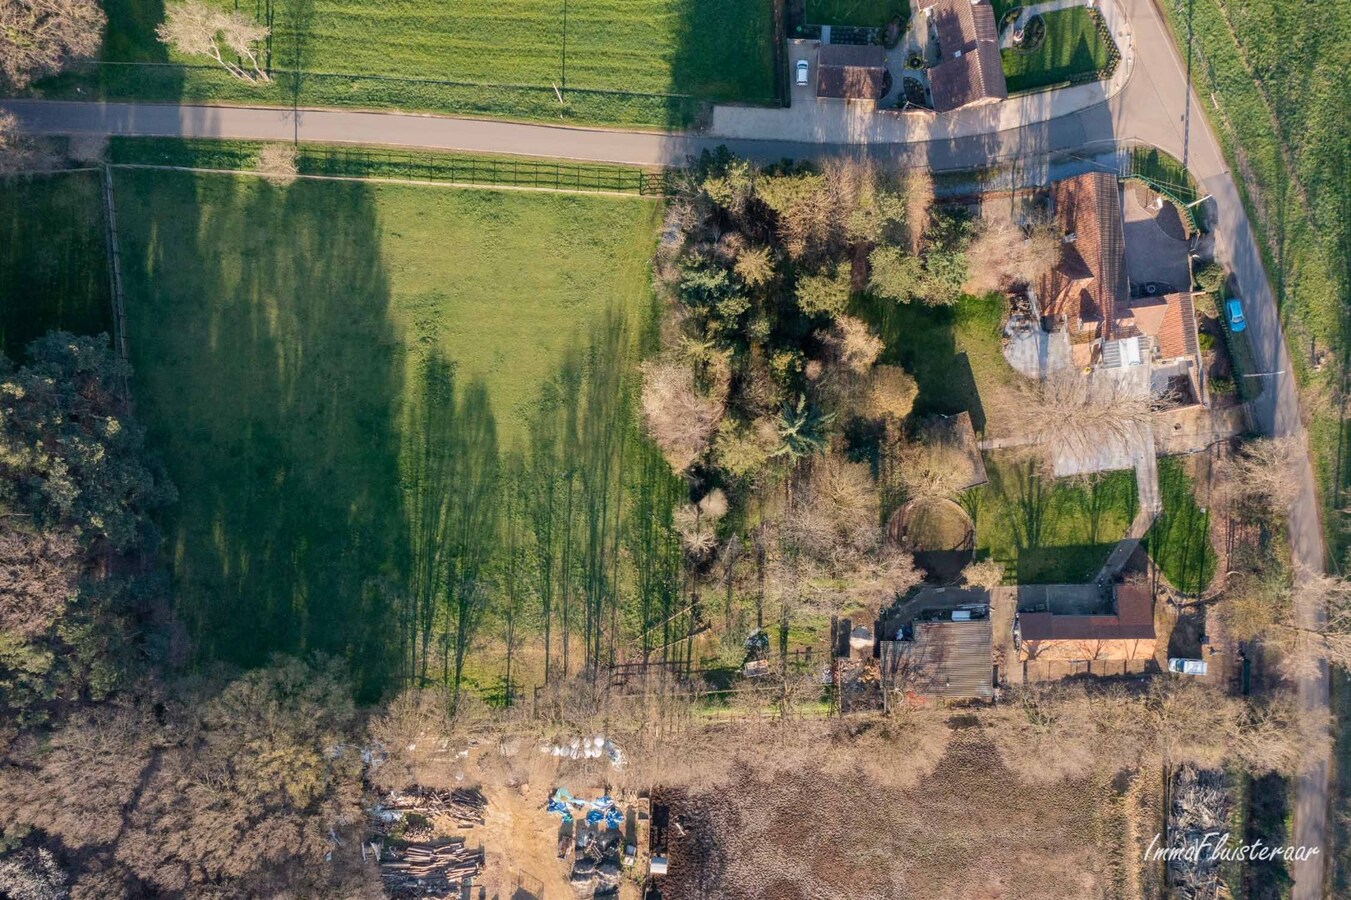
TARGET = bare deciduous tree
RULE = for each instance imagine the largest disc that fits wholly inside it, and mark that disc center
(19, 152)
(1004, 255)
(931, 470)
(1261, 479)
(919, 199)
(1076, 413)
(678, 417)
(41, 37)
(1046, 732)
(856, 347)
(987, 574)
(37, 579)
(197, 29)
(278, 164)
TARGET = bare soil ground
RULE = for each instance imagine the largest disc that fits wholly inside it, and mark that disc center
(969, 831)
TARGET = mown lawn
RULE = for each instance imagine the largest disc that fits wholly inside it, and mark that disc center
(1048, 530)
(953, 353)
(866, 13)
(620, 62)
(1072, 46)
(1179, 541)
(53, 258)
(277, 336)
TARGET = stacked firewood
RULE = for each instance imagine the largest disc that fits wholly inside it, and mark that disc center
(421, 870)
(463, 806)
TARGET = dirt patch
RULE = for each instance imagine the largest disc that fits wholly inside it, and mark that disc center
(971, 829)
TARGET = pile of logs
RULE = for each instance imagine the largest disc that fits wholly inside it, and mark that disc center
(421, 870)
(464, 806)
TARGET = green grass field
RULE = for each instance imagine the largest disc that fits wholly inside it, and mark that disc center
(952, 352)
(1072, 47)
(1278, 74)
(1179, 542)
(278, 336)
(649, 62)
(866, 13)
(53, 258)
(1048, 531)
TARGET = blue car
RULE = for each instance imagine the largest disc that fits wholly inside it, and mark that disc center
(1233, 308)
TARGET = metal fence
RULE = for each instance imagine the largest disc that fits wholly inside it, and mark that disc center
(506, 171)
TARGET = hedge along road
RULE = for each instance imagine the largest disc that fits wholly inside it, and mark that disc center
(1156, 107)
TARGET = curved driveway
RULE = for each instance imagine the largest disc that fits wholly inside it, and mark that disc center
(1155, 107)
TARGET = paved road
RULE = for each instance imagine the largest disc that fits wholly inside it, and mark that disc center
(1155, 107)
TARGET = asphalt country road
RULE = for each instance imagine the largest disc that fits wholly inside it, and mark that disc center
(1157, 107)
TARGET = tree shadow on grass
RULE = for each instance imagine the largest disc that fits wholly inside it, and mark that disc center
(450, 480)
(723, 50)
(922, 340)
(269, 376)
(53, 259)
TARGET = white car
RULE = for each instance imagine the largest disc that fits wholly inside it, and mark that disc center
(803, 68)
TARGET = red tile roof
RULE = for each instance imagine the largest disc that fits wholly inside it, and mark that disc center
(1088, 286)
(1134, 620)
(1169, 319)
(970, 69)
(851, 72)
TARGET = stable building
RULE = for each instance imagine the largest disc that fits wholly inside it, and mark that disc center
(1127, 634)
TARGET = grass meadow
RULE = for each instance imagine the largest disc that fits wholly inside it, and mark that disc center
(650, 62)
(287, 342)
(53, 258)
(1179, 541)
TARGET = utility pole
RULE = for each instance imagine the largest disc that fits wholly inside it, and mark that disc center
(565, 46)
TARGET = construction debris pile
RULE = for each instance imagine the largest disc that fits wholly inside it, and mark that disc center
(591, 833)
(464, 807)
(596, 862)
(587, 748)
(429, 870)
(1200, 808)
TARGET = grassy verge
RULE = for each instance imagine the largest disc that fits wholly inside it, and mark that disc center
(279, 336)
(1073, 49)
(1242, 359)
(53, 258)
(1277, 84)
(650, 62)
(364, 162)
(1048, 531)
(1179, 542)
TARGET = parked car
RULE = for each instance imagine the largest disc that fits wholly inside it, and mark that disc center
(803, 69)
(1233, 308)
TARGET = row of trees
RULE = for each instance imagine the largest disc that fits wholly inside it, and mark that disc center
(1264, 599)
